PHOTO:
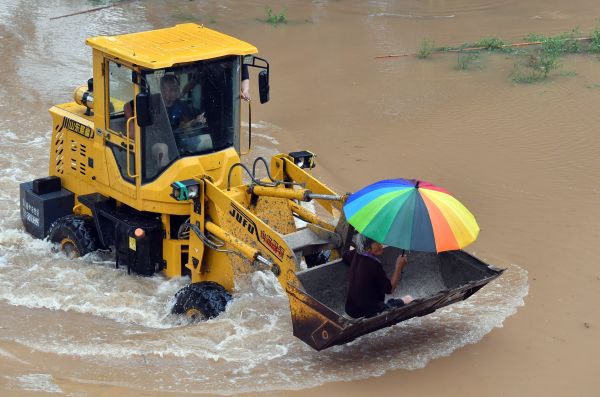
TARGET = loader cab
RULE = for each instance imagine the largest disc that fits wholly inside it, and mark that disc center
(167, 103)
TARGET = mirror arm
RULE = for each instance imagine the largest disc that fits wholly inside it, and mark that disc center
(263, 77)
(255, 65)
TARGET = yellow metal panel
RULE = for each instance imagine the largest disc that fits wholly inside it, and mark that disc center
(219, 268)
(172, 255)
(276, 213)
(117, 183)
(71, 147)
(156, 195)
(162, 48)
(196, 260)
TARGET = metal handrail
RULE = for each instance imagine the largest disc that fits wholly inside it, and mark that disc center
(128, 143)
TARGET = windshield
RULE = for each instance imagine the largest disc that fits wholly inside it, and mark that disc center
(195, 110)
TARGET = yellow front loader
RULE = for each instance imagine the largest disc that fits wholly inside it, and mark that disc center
(146, 162)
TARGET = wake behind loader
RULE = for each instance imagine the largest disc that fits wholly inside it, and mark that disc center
(146, 162)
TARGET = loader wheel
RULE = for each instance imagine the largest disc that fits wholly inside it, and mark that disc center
(202, 300)
(75, 234)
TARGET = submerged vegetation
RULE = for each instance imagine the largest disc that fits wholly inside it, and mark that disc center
(491, 44)
(535, 59)
(427, 47)
(465, 60)
(274, 18)
(594, 47)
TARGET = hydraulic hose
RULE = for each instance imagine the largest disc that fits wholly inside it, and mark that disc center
(252, 175)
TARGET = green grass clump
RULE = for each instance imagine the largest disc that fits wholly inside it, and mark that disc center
(564, 43)
(275, 19)
(594, 47)
(534, 37)
(546, 63)
(525, 74)
(535, 67)
(427, 47)
(546, 58)
(490, 44)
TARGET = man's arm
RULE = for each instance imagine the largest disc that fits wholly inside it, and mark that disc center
(245, 88)
(400, 263)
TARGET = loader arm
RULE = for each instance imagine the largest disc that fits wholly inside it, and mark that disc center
(283, 168)
(243, 232)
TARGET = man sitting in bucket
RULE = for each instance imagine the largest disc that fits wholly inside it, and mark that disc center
(367, 283)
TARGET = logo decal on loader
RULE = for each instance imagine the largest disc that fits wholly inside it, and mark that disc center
(270, 243)
(242, 219)
(77, 128)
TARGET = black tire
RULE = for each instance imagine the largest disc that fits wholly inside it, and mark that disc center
(202, 300)
(75, 234)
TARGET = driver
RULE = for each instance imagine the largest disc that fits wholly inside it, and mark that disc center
(179, 114)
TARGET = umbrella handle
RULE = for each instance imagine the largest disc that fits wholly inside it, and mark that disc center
(403, 252)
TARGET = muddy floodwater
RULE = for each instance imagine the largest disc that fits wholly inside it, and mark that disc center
(524, 158)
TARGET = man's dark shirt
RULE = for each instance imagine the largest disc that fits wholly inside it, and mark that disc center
(367, 285)
(177, 113)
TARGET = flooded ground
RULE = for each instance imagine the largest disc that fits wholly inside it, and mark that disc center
(523, 158)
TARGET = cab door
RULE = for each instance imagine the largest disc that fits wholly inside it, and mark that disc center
(121, 133)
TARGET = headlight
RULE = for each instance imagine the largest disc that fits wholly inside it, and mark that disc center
(304, 159)
(193, 191)
(185, 190)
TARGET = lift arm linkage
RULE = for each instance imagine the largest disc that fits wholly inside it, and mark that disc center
(248, 234)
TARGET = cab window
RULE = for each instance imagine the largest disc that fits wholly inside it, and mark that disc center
(120, 97)
(119, 110)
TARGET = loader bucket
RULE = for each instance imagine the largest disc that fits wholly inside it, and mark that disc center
(433, 280)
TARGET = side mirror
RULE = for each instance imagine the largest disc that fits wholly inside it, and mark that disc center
(263, 86)
(142, 109)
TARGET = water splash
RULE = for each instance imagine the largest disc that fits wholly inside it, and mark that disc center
(252, 338)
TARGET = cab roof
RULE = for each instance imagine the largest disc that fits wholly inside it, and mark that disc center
(161, 48)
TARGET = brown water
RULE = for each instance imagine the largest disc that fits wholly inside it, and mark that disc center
(524, 159)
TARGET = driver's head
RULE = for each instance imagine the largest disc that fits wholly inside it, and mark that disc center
(169, 87)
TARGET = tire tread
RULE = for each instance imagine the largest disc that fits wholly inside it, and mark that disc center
(78, 228)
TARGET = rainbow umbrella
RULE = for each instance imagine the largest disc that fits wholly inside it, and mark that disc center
(411, 214)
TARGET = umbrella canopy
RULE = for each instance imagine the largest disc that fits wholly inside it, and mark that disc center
(411, 214)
